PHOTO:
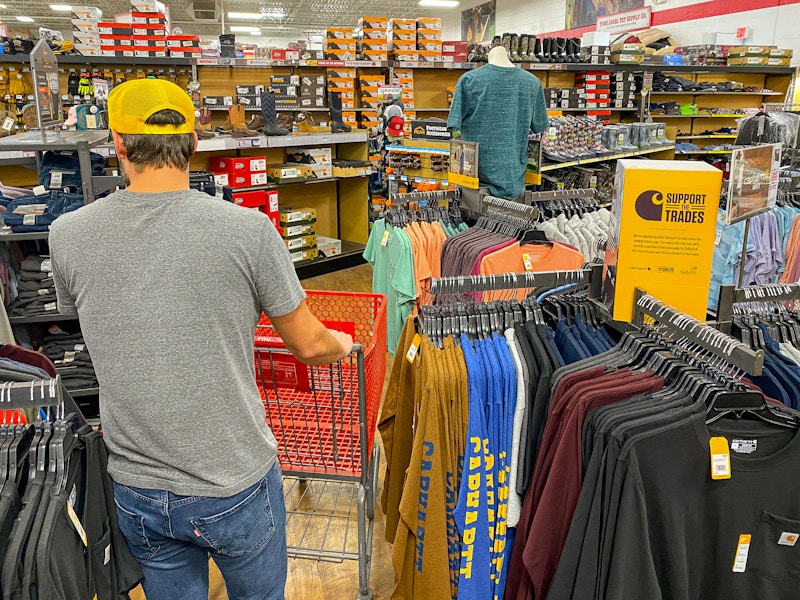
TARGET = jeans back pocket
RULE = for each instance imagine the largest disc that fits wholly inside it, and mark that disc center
(241, 528)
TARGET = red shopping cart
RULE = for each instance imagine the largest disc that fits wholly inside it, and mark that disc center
(324, 420)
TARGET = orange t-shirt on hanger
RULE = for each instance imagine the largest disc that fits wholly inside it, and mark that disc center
(542, 257)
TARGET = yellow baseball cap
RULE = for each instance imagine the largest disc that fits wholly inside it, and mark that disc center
(130, 104)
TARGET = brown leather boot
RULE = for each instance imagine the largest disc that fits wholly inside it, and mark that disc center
(305, 123)
(240, 129)
(285, 121)
(257, 123)
(203, 125)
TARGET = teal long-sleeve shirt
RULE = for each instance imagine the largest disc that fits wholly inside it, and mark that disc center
(496, 106)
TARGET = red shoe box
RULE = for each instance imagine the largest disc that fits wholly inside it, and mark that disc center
(238, 164)
(271, 209)
(255, 199)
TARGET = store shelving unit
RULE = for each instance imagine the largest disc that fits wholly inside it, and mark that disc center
(585, 161)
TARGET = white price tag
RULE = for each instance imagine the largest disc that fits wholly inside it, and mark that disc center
(385, 238)
(29, 220)
(742, 550)
(50, 306)
(55, 179)
(47, 265)
(412, 350)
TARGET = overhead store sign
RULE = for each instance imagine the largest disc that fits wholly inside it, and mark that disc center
(630, 20)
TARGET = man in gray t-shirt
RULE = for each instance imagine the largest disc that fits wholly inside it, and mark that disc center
(169, 284)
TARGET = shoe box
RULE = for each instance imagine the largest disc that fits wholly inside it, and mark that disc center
(239, 171)
(319, 159)
(289, 173)
(217, 101)
(249, 95)
(455, 51)
(558, 98)
(299, 232)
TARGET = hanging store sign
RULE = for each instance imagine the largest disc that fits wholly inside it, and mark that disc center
(630, 20)
(463, 168)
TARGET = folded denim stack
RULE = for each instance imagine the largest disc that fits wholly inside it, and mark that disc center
(71, 358)
(37, 292)
(62, 171)
(36, 213)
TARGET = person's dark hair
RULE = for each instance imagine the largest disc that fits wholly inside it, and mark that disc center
(159, 151)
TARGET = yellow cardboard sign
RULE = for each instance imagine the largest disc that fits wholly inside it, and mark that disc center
(661, 235)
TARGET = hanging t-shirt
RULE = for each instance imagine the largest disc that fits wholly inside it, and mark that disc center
(496, 107)
(517, 259)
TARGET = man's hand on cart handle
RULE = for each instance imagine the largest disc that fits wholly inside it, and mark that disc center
(345, 340)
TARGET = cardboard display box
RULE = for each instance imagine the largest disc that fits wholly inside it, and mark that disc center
(291, 215)
(664, 218)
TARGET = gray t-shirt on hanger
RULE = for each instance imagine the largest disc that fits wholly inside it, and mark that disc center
(169, 289)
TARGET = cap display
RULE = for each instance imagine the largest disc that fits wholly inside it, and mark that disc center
(133, 102)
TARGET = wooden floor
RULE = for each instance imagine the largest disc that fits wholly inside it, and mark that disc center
(312, 580)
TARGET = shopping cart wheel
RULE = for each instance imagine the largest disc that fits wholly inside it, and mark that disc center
(365, 594)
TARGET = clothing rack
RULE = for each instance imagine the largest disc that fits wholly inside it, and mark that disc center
(771, 292)
(509, 206)
(435, 196)
(30, 394)
(580, 194)
(716, 342)
(515, 281)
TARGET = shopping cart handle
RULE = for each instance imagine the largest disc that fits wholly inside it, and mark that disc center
(356, 349)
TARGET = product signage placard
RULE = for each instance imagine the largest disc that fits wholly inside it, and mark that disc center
(463, 169)
(44, 66)
(661, 236)
(630, 20)
(753, 184)
(533, 170)
(430, 129)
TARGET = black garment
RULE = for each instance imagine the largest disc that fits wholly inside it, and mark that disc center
(533, 382)
(13, 567)
(10, 507)
(674, 531)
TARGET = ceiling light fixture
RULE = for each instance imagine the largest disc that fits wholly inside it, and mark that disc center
(250, 30)
(61, 7)
(439, 3)
(3, 7)
(251, 16)
(244, 15)
(25, 19)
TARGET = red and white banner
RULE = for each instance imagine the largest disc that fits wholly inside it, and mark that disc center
(631, 20)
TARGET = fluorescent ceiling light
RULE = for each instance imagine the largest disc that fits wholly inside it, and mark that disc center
(255, 16)
(252, 30)
(61, 7)
(3, 6)
(25, 19)
(439, 3)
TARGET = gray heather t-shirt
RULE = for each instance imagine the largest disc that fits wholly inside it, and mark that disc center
(169, 289)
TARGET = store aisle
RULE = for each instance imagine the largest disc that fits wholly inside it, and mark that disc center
(310, 580)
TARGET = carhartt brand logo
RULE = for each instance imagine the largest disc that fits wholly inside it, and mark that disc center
(650, 205)
(653, 205)
(788, 538)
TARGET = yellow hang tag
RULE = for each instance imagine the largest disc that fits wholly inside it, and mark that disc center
(526, 260)
(742, 550)
(412, 351)
(385, 239)
(76, 522)
(720, 458)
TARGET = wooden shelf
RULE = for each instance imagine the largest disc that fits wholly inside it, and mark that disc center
(721, 136)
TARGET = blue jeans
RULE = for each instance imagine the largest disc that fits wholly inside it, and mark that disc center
(172, 537)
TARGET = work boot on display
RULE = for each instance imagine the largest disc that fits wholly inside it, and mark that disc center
(305, 123)
(507, 43)
(576, 49)
(554, 50)
(270, 115)
(523, 48)
(545, 50)
(536, 52)
(496, 41)
(335, 105)
(285, 121)
(562, 49)
(514, 54)
(240, 129)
